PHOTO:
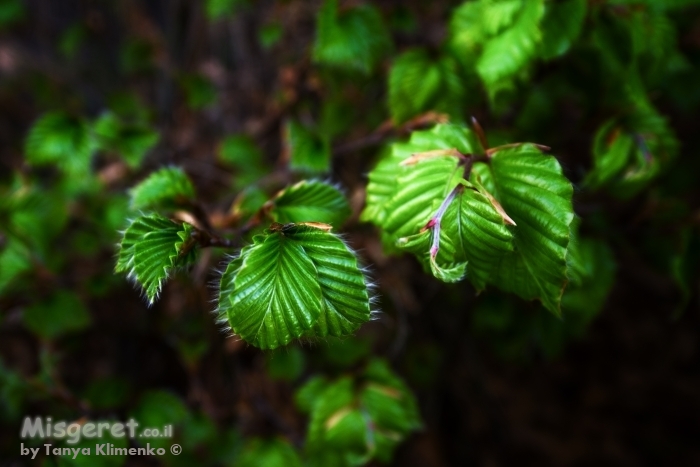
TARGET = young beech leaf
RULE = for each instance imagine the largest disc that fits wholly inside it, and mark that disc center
(628, 154)
(167, 187)
(533, 191)
(411, 206)
(507, 226)
(296, 280)
(472, 238)
(345, 303)
(389, 178)
(310, 201)
(418, 83)
(151, 248)
(361, 419)
(502, 37)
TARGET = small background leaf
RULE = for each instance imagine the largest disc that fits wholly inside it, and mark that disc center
(310, 201)
(167, 187)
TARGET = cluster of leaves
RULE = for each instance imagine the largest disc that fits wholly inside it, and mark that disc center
(70, 142)
(505, 220)
(354, 420)
(297, 279)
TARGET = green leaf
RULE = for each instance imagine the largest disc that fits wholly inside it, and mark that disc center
(296, 280)
(157, 254)
(396, 194)
(306, 151)
(473, 238)
(336, 400)
(354, 39)
(533, 191)
(151, 248)
(58, 138)
(511, 51)
(36, 217)
(611, 153)
(418, 83)
(131, 140)
(344, 287)
(60, 314)
(561, 26)
(271, 294)
(167, 187)
(310, 201)
(241, 152)
(307, 395)
(268, 453)
(363, 419)
(458, 227)
(404, 197)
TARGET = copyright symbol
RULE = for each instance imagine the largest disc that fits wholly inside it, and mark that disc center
(176, 449)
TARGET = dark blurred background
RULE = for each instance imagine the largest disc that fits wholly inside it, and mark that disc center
(499, 381)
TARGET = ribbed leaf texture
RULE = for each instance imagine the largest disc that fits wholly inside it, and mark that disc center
(58, 138)
(533, 191)
(473, 238)
(152, 248)
(354, 39)
(418, 83)
(354, 421)
(297, 280)
(165, 188)
(384, 180)
(508, 225)
(310, 201)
